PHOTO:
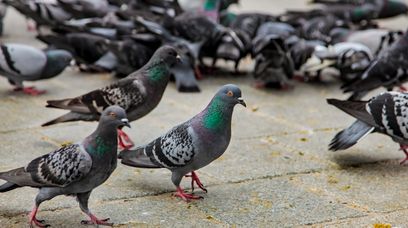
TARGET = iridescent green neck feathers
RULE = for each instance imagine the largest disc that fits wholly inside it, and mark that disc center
(215, 117)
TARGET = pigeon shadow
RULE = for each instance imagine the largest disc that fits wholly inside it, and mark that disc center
(364, 163)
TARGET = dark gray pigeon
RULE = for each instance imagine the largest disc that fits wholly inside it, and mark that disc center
(42, 65)
(388, 70)
(74, 170)
(138, 93)
(86, 48)
(192, 144)
(385, 113)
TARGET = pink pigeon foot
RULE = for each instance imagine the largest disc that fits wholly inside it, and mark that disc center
(95, 221)
(185, 196)
(30, 91)
(34, 221)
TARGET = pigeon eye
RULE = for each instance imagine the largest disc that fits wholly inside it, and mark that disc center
(113, 114)
(230, 93)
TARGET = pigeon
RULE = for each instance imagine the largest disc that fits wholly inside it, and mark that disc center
(273, 64)
(351, 59)
(42, 12)
(131, 54)
(192, 144)
(375, 39)
(74, 169)
(138, 93)
(42, 65)
(385, 113)
(86, 48)
(388, 70)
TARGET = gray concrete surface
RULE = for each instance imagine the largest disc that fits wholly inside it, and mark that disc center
(277, 171)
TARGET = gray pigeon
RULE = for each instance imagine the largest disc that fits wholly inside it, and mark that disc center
(75, 169)
(42, 65)
(388, 70)
(192, 144)
(42, 12)
(385, 113)
(138, 93)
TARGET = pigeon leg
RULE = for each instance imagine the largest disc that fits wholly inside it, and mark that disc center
(260, 85)
(404, 149)
(194, 178)
(124, 141)
(185, 196)
(34, 221)
(198, 73)
(30, 90)
(83, 204)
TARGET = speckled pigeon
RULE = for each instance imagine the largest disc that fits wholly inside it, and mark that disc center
(20, 63)
(385, 113)
(138, 93)
(388, 70)
(73, 170)
(192, 144)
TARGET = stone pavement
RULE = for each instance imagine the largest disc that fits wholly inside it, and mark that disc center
(277, 171)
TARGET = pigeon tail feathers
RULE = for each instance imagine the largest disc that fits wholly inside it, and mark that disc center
(350, 136)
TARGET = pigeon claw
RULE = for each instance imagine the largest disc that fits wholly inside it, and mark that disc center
(186, 196)
(95, 221)
(38, 223)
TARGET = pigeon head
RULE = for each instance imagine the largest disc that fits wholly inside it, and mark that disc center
(114, 116)
(167, 55)
(158, 68)
(230, 94)
(57, 61)
(218, 113)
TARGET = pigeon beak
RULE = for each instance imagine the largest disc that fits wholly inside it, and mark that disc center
(125, 122)
(241, 102)
(178, 58)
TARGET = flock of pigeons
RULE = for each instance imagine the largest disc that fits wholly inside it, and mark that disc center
(146, 43)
